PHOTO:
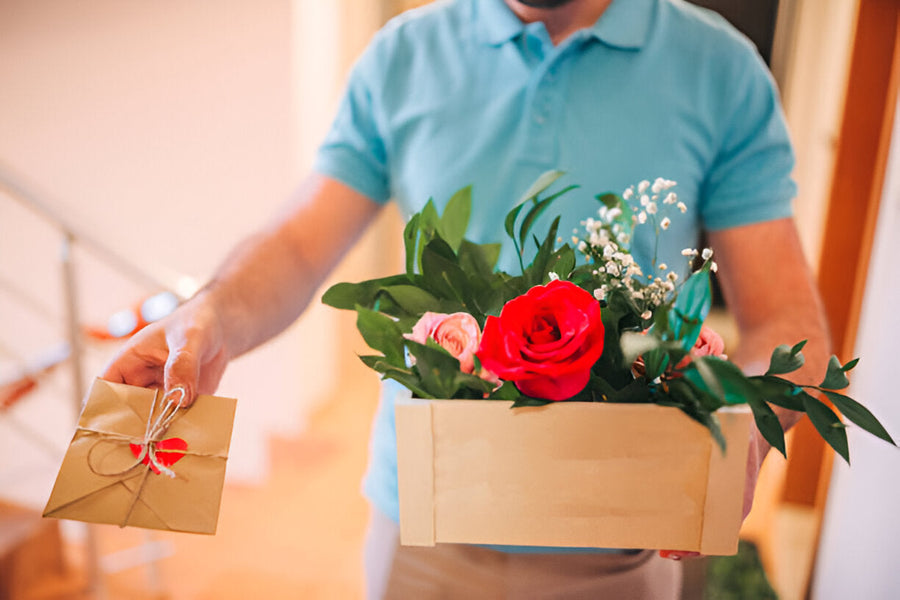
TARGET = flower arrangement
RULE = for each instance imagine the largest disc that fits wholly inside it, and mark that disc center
(595, 330)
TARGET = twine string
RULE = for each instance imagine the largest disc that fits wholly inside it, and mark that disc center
(156, 429)
(161, 415)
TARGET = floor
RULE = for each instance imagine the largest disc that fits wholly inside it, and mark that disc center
(298, 536)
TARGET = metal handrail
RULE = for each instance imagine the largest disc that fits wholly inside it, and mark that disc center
(72, 234)
(30, 196)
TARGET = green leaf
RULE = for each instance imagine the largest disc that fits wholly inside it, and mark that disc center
(403, 375)
(637, 390)
(408, 380)
(523, 401)
(735, 387)
(699, 406)
(443, 276)
(429, 219)
(778, 391)
(560, 262)
(828, 425)
(610, 200)
(768, 424)
(428, 225)
(691, 308)
(544, 181)
(617, 317)
(507, 391)
(509, 224)
(786, 359)
(348, 296)
(708, 401)
(372, 361)
(537, 271)
(656, 362)
(477, 386)
(478, 259)
(436, 368)
(410, 239)
(834, 376)
(455, 220)
(850, 365)
(859, 414)
(381, 333)
(413, 300)
(532, 215)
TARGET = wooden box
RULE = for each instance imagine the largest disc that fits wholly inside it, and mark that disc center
(569, 474)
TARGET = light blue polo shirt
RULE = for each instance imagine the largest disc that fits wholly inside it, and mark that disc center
(462, 92)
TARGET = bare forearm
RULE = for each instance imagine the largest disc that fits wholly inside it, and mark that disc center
(269, 279)
(260, 289)
(756, 347)
(773, 296)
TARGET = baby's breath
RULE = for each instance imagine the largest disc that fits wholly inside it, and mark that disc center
(607, 239)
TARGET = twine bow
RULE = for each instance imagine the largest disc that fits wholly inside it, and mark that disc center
(159, 418)
(156, 429)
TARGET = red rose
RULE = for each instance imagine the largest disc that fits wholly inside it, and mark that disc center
(545, 341)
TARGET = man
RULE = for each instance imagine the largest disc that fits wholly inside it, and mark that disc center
(492, 93)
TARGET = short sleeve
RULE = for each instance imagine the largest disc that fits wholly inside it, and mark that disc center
(353, 151)
(750, 180)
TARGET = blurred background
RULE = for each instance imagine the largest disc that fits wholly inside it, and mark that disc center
(139, 141)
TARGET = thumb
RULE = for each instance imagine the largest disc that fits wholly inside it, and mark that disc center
(182, 371)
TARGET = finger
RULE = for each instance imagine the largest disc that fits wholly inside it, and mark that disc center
(677, 554)
(182, 371)
(132, 370)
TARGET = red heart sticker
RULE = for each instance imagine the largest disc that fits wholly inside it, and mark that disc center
(166, 452)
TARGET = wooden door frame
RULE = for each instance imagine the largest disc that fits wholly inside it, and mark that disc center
(857, 182)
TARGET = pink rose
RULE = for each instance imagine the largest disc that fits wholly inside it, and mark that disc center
(457, 333)
(709, 343)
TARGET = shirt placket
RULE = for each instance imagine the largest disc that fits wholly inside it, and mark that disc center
(545, 103)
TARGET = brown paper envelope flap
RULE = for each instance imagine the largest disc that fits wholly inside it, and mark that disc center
(191, 500)
(116, 409)
(65, 501)
(187, 503)
(75, 480)
(206, 426)
(122, 409)
(110, 504)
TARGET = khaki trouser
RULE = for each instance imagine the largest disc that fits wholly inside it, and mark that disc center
(450, 571)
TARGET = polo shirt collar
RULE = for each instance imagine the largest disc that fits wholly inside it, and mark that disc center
(625, 24)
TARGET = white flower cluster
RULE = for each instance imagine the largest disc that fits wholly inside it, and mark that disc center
(608, 239)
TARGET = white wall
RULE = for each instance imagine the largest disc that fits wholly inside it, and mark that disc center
(858, 550)
(169, 130)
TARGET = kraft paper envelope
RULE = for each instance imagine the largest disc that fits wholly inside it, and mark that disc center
(101, 479)
(571, 474)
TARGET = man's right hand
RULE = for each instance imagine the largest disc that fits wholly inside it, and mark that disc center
(185, 349)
